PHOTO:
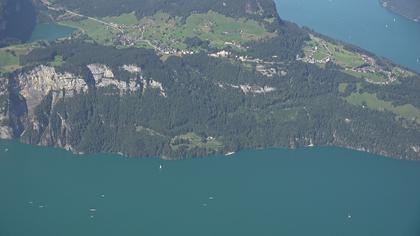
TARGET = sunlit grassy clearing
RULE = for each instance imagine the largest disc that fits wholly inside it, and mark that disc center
(371, 101)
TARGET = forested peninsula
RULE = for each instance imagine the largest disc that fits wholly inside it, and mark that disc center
(189, 78)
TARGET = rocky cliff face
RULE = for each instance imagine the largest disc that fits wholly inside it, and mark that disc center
(38, 91)
(36, 84)
(104, 77)
(28, 98)
(5, 130)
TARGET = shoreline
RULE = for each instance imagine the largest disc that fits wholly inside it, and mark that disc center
(382, 154)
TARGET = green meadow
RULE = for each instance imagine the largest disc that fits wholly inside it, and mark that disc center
(371, 101)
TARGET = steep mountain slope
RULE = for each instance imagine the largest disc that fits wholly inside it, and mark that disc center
(17, 20)
(176, 79)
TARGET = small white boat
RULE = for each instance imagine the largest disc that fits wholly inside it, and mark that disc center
(349, 216)
(103, 195)
(92, 210)
(211, 198)
(160, 166)
(229, 153)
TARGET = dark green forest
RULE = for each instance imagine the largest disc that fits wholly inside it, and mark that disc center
(233, 8)
(17, 20)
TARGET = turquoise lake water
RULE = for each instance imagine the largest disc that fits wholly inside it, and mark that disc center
(360, 22)
(50, 32)
(318, 191)
(321, 191)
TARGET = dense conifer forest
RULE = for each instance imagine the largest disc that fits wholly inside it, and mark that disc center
(17, 20)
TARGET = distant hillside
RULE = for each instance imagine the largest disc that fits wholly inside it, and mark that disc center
(407, 8)
(17, 20)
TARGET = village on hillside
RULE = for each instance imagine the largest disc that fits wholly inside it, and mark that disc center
(320, 52)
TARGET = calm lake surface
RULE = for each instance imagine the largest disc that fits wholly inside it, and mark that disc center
(360, 22)
(319, 191)
(50, 32)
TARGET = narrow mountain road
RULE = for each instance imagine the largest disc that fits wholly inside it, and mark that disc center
(50, 7)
